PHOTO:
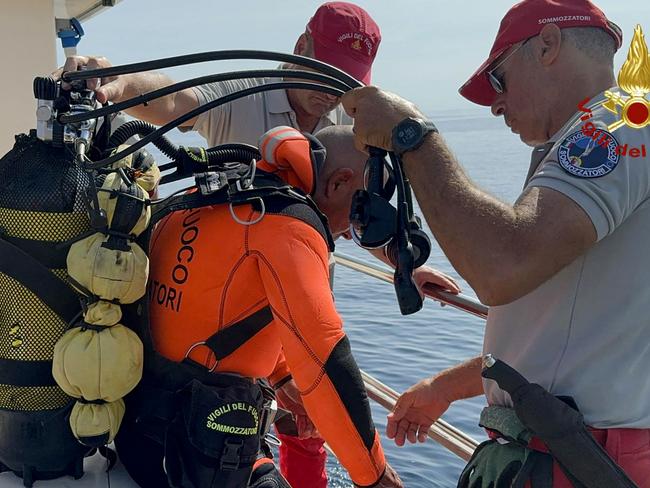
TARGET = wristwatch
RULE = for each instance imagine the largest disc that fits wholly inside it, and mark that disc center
(409, 134)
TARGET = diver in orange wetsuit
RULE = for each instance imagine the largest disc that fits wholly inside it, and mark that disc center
(213, 266)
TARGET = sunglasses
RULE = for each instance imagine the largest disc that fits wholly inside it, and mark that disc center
(497, 82)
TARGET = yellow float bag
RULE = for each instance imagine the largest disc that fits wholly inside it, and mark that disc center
(146, 171)
(109, 267)
(103, 313)
(126, 206)
(98, 363)
(96, 425)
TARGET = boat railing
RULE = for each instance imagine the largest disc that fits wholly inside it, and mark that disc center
(442, 432)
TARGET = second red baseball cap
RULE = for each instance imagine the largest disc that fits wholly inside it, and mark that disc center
(345, 36)
(525, 20)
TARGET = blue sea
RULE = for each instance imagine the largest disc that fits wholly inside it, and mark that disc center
(398, 350)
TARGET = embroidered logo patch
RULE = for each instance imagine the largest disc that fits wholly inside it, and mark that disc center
(588, 157)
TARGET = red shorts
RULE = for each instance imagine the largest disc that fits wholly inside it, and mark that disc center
(630, 448)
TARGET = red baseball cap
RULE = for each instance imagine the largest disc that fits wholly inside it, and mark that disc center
(345, 36)
(525, 20)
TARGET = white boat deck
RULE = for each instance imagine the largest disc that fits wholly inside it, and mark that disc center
(95, 477)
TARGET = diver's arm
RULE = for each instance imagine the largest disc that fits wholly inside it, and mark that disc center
(294, 271)
(161, 110)
(123, 87)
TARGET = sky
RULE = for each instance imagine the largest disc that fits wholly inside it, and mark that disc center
(428, 49)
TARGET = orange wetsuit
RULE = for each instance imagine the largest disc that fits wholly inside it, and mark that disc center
(209, 271)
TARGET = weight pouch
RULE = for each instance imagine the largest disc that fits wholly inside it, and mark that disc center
(214, 438)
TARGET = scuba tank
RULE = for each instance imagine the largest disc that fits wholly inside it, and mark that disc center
(65, 266)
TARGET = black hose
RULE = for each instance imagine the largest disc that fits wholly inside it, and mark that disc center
(202, 80)
(142, 128)
(300, 85)
(212, 56)
(231, 153)
(242, 152)
(237, 145)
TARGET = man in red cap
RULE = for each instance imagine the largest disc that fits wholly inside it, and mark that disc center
(565, 268)
(339, 33)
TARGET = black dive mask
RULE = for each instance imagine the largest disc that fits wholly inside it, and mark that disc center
(376, 223)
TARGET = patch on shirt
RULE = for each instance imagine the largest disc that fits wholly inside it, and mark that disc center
(583, 156)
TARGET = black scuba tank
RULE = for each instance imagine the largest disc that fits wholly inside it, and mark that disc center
(41, 207)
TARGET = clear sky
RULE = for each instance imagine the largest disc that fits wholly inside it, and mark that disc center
(429, 47)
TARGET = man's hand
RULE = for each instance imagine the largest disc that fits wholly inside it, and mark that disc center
(106, 89)
(390, 479)
(416, 410)
(288, 397)
(425, 274)
(375, 114)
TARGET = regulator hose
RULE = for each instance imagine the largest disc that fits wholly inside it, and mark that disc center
(212, 56)
(142, 128)
(202, 80)
(217, 156)
(204, 108)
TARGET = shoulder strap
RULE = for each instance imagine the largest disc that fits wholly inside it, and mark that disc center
(19, 265)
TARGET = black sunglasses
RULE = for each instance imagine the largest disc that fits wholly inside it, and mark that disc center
(497, 82)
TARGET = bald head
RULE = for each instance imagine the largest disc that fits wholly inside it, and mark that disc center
(341, 153)
(340, 176)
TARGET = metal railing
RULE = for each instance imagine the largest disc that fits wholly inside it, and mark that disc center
(442, 432)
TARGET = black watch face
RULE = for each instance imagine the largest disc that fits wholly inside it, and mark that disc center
(408, 133)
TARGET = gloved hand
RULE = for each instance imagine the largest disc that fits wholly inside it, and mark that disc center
(493, 465)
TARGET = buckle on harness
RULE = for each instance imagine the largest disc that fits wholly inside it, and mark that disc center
(231, 455)
(210, 182)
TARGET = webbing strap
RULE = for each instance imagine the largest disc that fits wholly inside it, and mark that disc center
(26, 373)
(228, 340)
(45, 252)
(41, 281)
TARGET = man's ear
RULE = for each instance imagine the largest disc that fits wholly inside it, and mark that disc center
(551, 41)
(301, 45)
(338, 180)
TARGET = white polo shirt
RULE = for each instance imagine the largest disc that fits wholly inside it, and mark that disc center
(246, 119)
(586, 331)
